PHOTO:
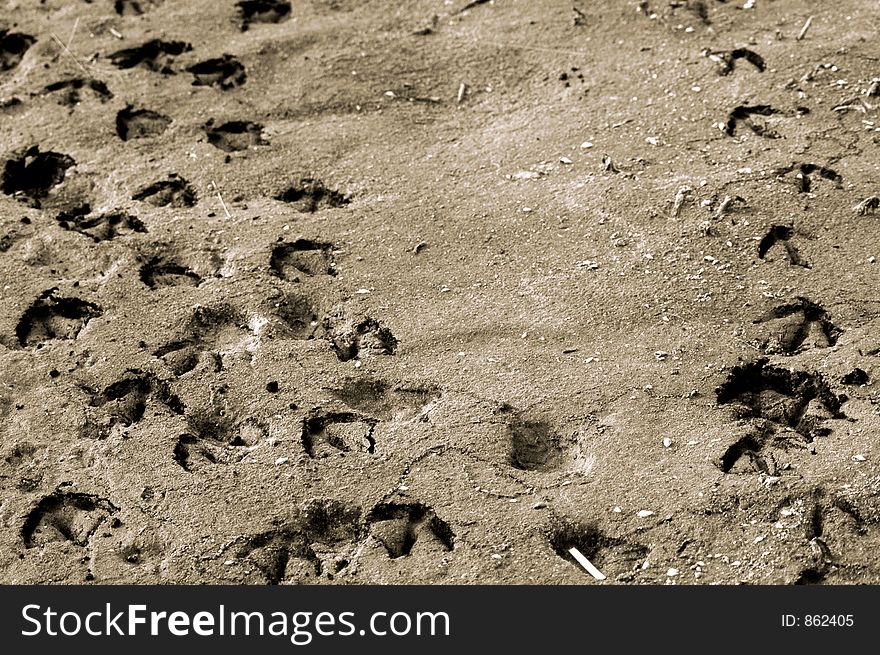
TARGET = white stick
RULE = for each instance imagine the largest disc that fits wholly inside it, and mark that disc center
(461, 89)
(804, 29)
(228, 215)
(587, 564)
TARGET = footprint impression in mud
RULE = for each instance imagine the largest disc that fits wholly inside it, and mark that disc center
(797, 326)
(218, 435)
(125, 402)
(134, 123)
(156, 55)
(52, 317)
(234, 136)
(31, 174)
(206, 332)
(135, 7)
(174, 191)
(161, 266)
(615, 557)
(262, 11)
(802, 179)
(310, 195)
(369, 402)
(315, 544)
(404, 527)
(13, 46)
(70, 91)
(65, 516)
(100, 227)
(781, 235)
(534, 444)
(302, 258)
(783, 411)
(224, 72)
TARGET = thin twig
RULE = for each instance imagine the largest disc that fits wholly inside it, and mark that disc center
(225, 208)
(72, 56)
(73, 33)
(804, 29)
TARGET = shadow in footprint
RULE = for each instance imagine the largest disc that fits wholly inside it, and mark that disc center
(161, 272)
(354, 337)
(328, 433)
(172, 192)
(781, 234)
(71, 90)
(126, 400)
(135, 7)
(801, 324)
(293, 551)
(744, 114)
(399, 527)
(31, 174)
(613, 557)
(309, 195)
(262, 11)
(786, 409)
(386, 402)
(134, 123)
(289, 260)
(66, 516)
(234, 136)
(13, 46)
(224, 72)
(53, 317)
(534, 445)
(156, 55)
(100, 227)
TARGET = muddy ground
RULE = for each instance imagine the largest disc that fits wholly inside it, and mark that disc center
(353, 291)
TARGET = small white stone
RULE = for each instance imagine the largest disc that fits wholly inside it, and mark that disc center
(616, 510)
(564, 160)
(644, 513)
(667, 442)
(281, 460)
(859, 458)
(586, 144)
(672, 572)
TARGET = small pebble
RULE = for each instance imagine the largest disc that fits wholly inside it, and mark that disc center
(672, 572)
(644, 513)
(281, 460)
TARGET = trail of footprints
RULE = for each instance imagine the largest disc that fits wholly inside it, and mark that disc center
(784, 409)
